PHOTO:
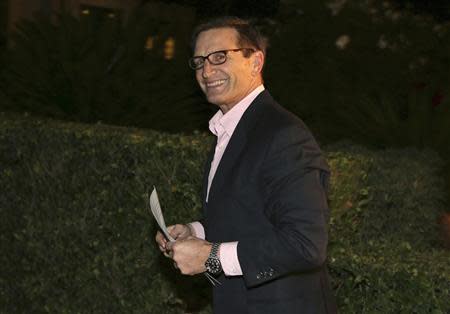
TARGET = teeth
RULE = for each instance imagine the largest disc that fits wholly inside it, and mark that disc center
(215, 83)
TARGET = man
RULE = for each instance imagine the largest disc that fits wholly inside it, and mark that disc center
(264, 228)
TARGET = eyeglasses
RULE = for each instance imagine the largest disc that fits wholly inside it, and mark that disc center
(215, 58)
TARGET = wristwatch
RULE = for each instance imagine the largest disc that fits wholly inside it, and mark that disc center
(212, 264)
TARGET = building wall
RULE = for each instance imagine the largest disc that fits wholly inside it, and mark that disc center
(3, 21)
(124, 5)
(21, 9)
(177, 20)
(26, 9)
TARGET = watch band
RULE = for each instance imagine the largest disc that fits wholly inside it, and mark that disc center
(212, 264)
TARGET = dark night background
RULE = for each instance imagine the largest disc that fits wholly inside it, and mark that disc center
(98, 104)
(440, 9)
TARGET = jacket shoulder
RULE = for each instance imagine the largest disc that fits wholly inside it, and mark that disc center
(275, 119)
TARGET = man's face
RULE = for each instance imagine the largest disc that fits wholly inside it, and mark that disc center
(228, 83)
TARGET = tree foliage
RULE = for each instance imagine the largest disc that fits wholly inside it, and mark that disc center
(80, 70)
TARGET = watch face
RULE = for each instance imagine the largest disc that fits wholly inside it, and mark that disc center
(213, 266)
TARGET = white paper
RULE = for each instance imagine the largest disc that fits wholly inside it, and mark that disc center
(157, 213)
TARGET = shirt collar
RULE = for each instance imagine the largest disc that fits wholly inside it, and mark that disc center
(226, 123)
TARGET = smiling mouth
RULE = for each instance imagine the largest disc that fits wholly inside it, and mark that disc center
(215, 83)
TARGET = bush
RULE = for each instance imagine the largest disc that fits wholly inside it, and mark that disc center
(76, 234)
(385, 252)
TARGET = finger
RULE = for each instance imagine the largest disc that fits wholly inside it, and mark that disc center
(175, 265)
(174, 231)
(162, 248)
(160, 239)
(178, 231)
(169, 246)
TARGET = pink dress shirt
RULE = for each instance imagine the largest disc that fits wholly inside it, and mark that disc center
(223, 126)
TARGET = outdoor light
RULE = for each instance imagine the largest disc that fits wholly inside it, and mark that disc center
(169, 48)
(149, 43)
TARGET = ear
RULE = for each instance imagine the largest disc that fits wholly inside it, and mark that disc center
(258, 62)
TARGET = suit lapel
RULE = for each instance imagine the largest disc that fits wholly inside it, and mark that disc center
(236, 144)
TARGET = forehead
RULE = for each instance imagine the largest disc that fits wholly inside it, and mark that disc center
(216, 39)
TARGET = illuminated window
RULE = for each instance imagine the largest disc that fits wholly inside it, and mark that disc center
(149, 43)
(99, 15)
(169, 48)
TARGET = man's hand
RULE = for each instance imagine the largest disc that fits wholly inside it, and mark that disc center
(178, 232)
(190, 254)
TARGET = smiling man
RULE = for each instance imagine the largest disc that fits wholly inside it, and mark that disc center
(263, 235)
(226, 83)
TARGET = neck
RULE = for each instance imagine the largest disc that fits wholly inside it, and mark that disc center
(227, 107)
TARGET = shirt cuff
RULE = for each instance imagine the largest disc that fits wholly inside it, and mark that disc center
(229, 259)
(198, 229)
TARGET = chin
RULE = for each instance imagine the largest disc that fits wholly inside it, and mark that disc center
(214, 99)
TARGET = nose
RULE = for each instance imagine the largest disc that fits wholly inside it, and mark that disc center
(207, 69)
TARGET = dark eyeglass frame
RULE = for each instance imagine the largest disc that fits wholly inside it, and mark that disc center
(193, 65)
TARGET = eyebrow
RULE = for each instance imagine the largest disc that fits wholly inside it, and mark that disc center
(217, 50)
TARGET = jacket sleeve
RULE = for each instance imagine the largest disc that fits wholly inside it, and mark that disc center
(293, 181)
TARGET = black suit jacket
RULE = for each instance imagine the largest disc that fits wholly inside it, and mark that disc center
(269, 193)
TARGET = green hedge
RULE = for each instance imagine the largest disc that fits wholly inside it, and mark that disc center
(76, 235)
